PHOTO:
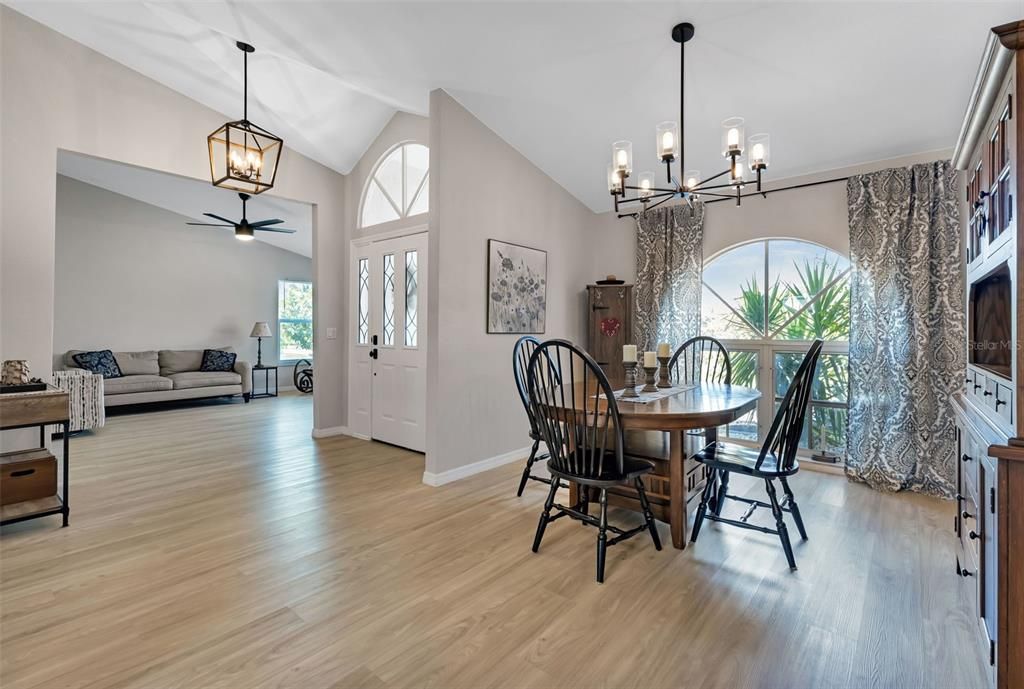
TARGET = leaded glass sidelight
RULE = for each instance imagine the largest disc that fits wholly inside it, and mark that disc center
(411, 298)
(389, 299)
(364, 301)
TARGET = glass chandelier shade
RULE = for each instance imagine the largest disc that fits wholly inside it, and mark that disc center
(622, 156)
(732, 136)
(759, 151)
(736, 173)
(668, 141)
(646, 184)
(243, 155)
(691, 178)
(614, 180)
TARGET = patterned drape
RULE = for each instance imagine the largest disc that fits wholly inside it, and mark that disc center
(907, 336)
(669, 260)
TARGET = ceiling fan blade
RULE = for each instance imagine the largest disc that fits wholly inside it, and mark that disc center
(211, 215)
(208, 224)
(261, 223)
(275, 229)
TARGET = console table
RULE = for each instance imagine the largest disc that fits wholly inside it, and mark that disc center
(29, 410)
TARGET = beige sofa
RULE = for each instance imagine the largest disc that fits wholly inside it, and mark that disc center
(168, 375)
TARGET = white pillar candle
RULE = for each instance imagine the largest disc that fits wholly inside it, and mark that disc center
(663, 350)
(650, 359)
(629, 353)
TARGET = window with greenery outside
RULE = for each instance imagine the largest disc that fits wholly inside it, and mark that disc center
(294, 320)
(767, 301)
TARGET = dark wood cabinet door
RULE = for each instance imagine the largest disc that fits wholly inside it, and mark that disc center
(610, 310)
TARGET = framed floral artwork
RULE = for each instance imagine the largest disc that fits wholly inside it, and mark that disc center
(516, 288)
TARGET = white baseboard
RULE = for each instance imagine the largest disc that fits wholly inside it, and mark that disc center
(337, 430)
(439, 479)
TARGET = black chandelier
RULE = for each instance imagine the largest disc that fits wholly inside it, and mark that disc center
(689, 186)
(244, 156)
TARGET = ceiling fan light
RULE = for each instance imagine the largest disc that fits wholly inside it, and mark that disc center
(244, 234)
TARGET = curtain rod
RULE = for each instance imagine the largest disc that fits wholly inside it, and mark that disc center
(766, 192)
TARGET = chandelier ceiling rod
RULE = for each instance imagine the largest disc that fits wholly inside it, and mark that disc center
(246, 49)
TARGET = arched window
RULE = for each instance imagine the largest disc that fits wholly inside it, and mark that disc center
(399, 186)
(767, 301)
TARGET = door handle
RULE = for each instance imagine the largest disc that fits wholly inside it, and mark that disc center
(373, 353)
(373, 340)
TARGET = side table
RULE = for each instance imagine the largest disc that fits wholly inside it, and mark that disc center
(265, 370)
(36, 409)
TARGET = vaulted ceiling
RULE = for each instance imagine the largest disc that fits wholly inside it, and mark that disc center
(835, 83)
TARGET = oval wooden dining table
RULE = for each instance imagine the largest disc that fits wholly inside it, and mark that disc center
(661, 431)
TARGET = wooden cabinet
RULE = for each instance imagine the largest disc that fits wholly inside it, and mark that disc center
(610, 310)
(989, 524)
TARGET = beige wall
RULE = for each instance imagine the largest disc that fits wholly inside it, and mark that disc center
(482, 188)
(816, 214)
(58, 94)
(131, 276)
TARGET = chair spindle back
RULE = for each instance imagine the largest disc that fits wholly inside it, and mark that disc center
(783, 437)
(701, 360)
(521, 353)
(575, 409)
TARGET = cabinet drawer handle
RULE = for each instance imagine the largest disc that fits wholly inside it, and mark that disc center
(22, 472)
(965, 573)
(977, 387)
(987, 393)
(1000, 402)
(973, 535)
(966, 515)
(966, 458)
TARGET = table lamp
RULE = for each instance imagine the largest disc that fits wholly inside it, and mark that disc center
(260, 330)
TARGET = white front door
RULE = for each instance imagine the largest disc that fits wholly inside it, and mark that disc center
(388, 387)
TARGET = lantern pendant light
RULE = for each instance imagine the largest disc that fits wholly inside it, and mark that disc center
(244, 156)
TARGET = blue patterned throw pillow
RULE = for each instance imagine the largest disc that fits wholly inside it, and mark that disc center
(218, 360)
(102, 362)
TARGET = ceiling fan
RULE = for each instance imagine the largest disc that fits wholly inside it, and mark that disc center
(243, 228)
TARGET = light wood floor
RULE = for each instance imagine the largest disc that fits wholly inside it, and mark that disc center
(221, 547)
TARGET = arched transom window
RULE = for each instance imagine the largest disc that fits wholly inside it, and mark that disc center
(767, 301)
(399, 186)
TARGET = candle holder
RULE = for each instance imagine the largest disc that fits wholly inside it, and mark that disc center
(630, 387)
(650, 386)
(663, 381)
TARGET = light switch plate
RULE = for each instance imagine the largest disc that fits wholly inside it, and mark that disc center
(332, 333)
